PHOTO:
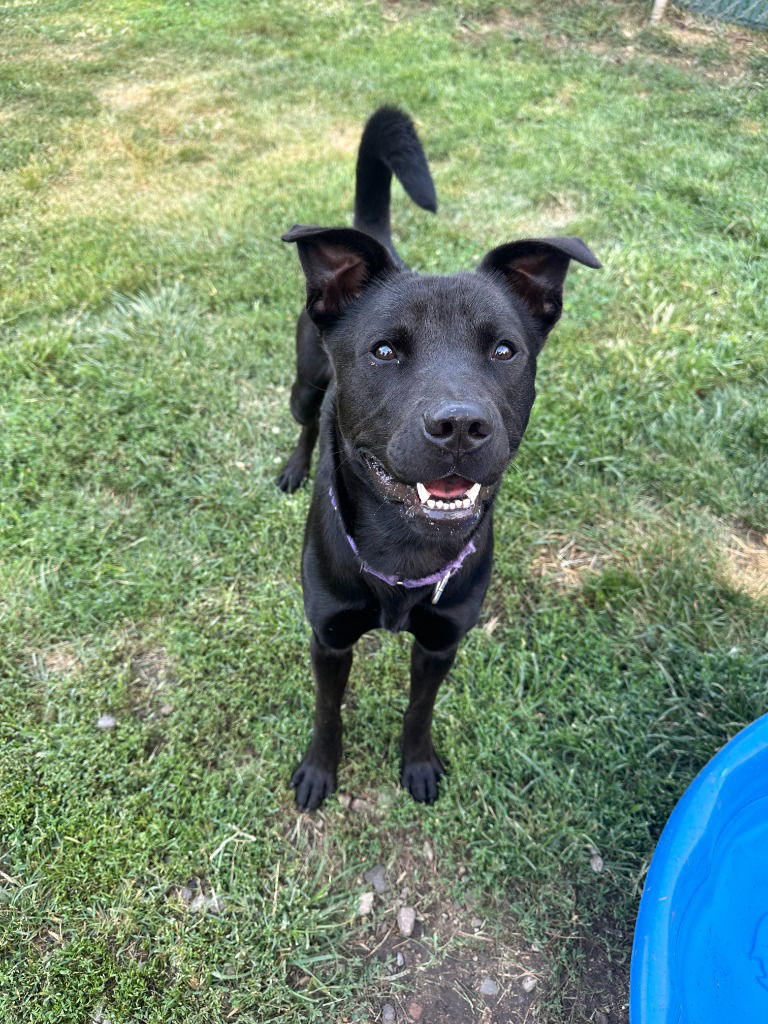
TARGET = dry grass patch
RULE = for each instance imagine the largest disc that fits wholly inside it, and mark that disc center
(478, 217)
(714, 49)
(564, 562)
(550, 217)
(151, 681)
(162, 148)
(683, 39)
(127, 95)
(746, 561)
(61, 660)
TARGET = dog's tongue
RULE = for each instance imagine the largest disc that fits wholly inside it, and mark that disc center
(448, 487)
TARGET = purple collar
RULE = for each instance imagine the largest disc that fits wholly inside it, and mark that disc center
(439, 578)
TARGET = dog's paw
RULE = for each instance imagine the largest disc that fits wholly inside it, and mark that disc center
(312, 784)
(292, 475)
(421, 778)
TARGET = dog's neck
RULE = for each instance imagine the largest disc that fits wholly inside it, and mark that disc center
(437, 579)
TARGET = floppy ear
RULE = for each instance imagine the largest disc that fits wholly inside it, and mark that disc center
(534, 270)
(339, 264)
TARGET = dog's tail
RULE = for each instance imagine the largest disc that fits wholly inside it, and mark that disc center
(389, 145)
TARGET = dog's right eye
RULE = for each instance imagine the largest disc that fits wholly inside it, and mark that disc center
(505, 351)
(384, 352)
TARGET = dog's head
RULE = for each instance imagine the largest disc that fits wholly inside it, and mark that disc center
(435, 375)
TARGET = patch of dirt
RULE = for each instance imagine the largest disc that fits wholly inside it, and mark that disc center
(599, 993)
(457, 965)
(746, 561)
(451, 972)
(454, 968)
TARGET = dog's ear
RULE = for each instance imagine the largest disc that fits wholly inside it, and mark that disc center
(339, 264)
(534, 270)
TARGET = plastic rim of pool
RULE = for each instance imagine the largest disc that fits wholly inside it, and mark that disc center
(700, 954)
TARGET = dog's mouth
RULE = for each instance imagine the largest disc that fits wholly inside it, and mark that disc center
(451, 497)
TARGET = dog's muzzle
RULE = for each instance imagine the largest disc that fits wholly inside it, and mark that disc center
(452, 498)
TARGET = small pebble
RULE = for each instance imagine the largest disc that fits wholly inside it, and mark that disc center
(406, 919)
(106, 722)
(415, 1010)
(165, 710)
(376, 877)
(400, 960)
(596, 863)
(388, 1014)
(476, 923)
(366, 904)
(529, 983)
(488, 987)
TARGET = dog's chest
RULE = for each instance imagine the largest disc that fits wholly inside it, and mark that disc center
(396, 604)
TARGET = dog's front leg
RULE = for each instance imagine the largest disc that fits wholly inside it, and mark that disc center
(421, 768)
(315, 778)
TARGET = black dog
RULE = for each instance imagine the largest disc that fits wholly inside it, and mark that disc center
(421, 388)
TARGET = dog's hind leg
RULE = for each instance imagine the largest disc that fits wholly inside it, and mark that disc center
(313, 374)
(421, 768)
(294, 472)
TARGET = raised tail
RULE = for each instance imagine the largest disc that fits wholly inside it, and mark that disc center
(389, 145)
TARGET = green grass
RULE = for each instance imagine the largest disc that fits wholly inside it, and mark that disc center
(151, 154)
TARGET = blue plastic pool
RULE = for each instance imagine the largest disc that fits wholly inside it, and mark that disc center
(700, 954)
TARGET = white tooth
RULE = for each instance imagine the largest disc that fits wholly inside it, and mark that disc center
(467, 503)
(422, 491)
(440, 504)
(473, 492)
(431, 502)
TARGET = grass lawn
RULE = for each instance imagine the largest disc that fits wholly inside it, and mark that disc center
(155, 690)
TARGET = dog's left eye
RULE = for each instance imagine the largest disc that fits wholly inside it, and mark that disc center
(504, 351)
(384, 352)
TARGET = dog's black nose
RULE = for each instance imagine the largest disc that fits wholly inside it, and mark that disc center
(460, 425)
